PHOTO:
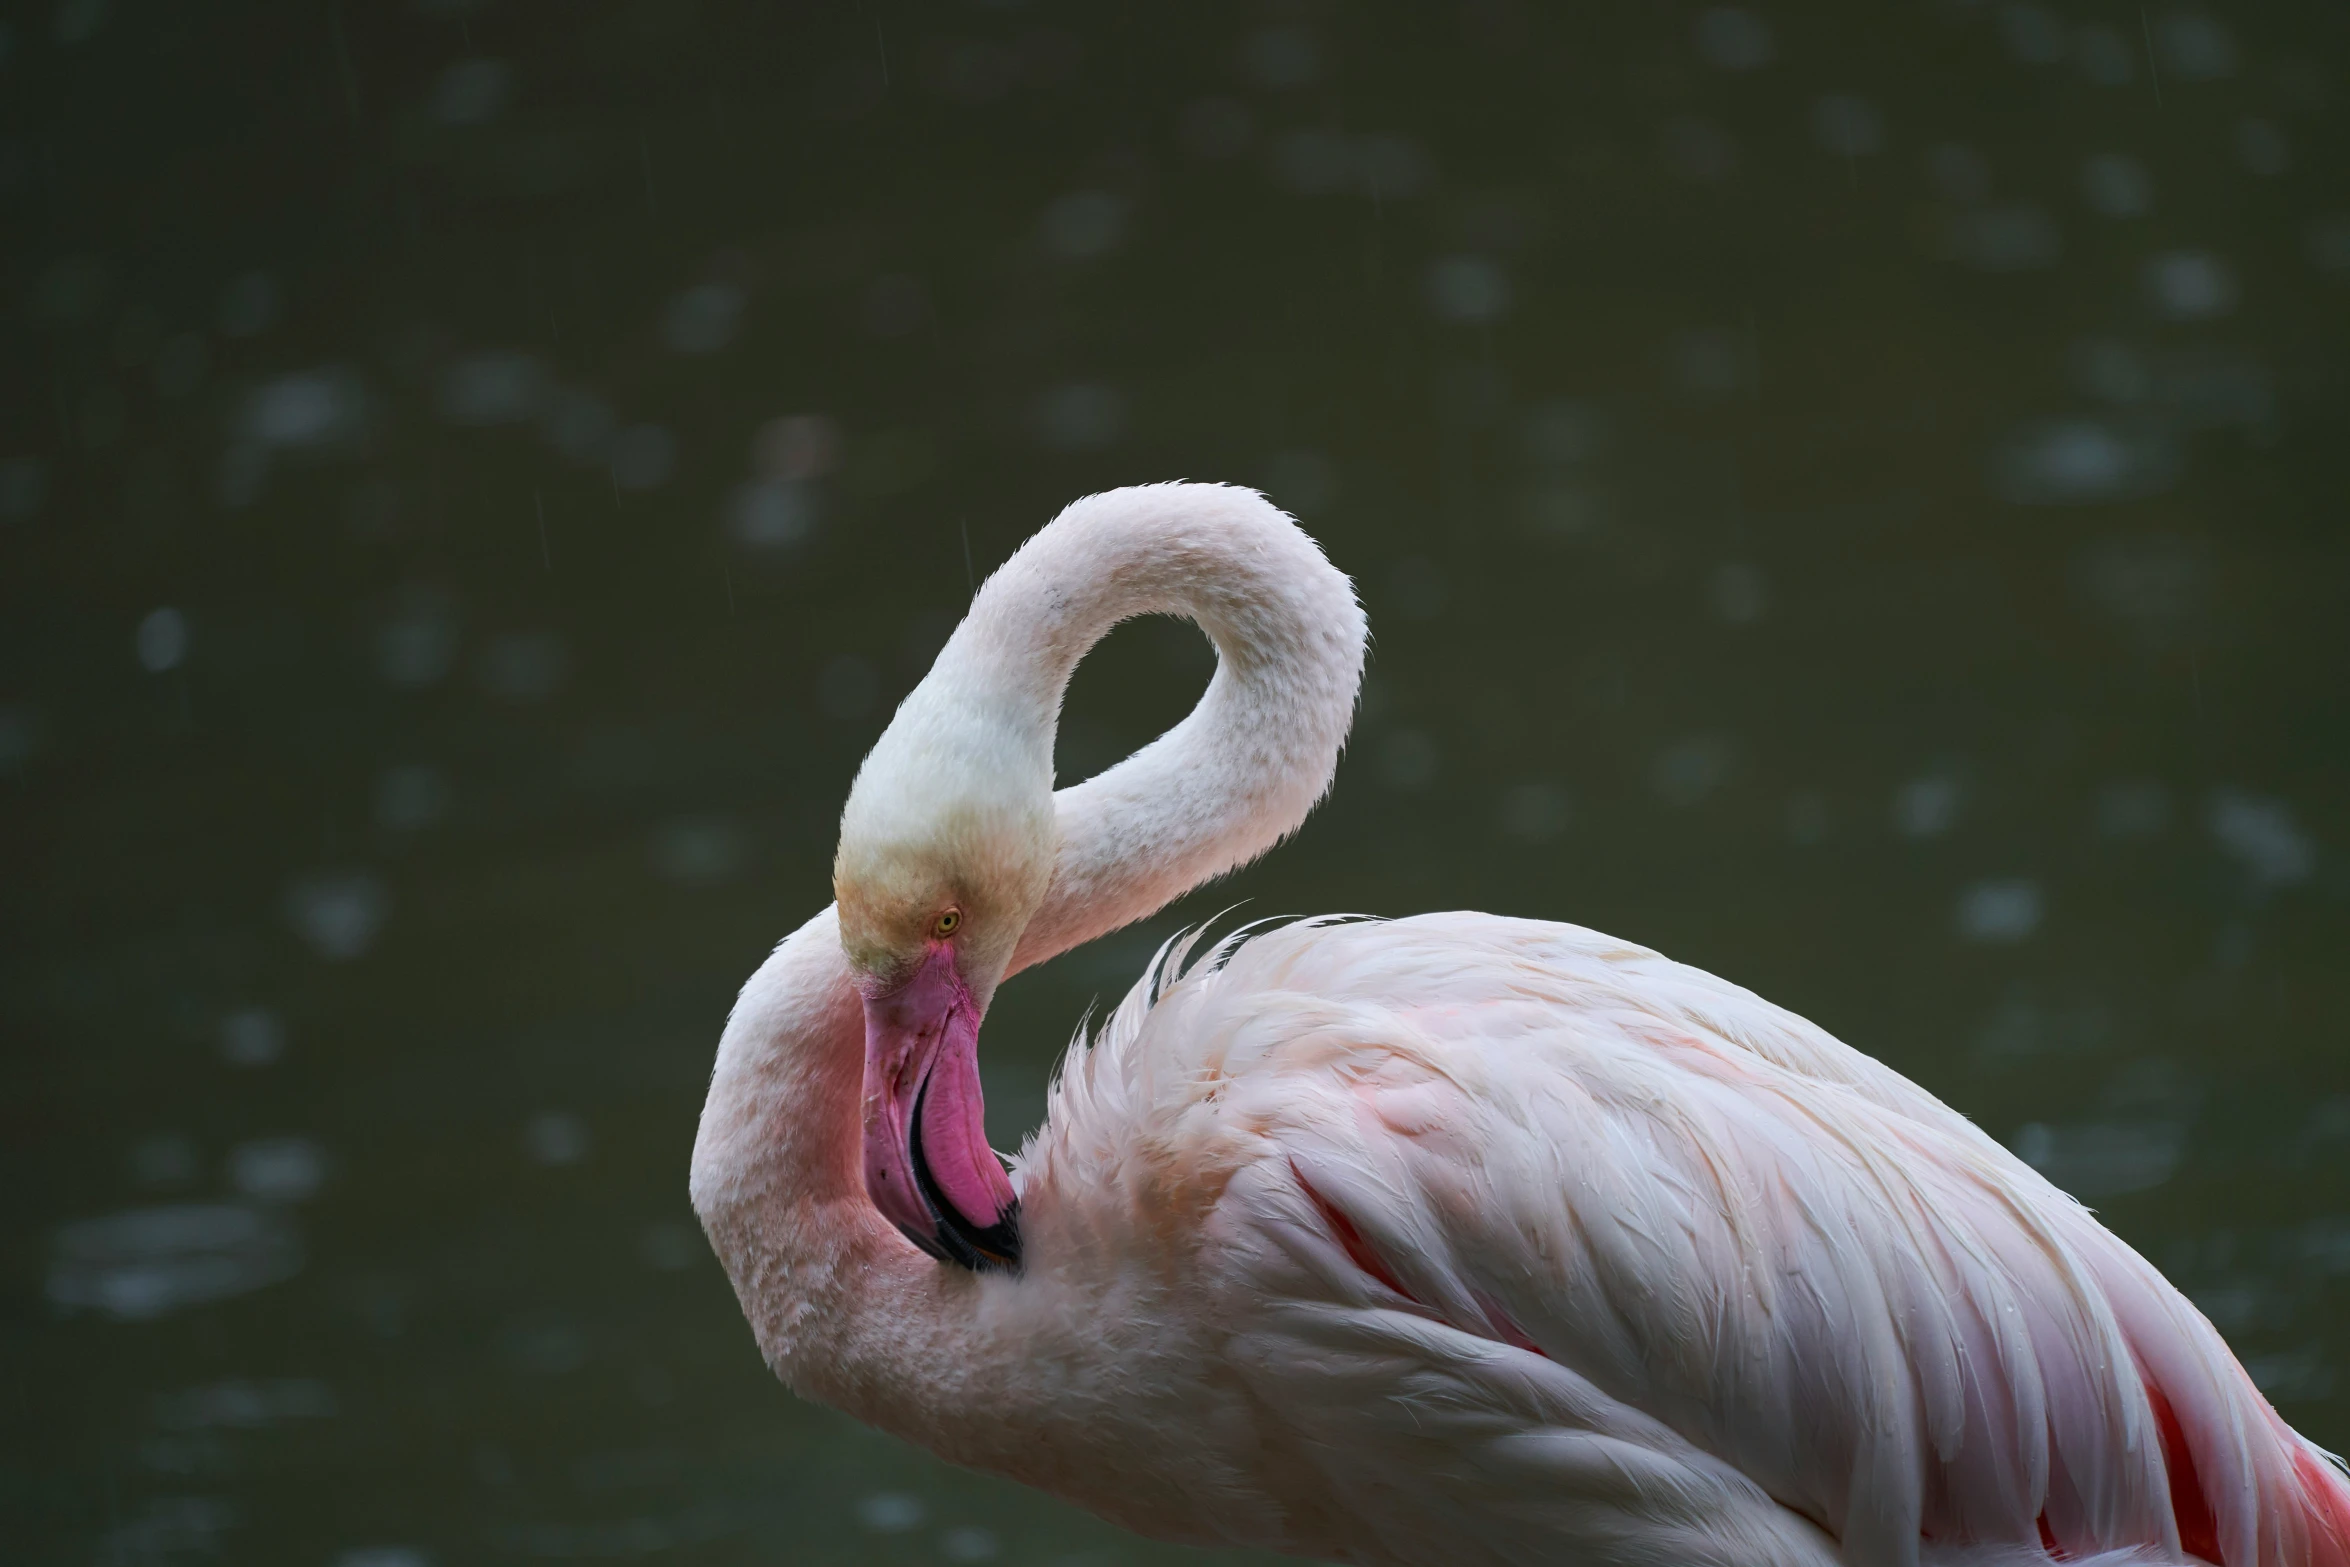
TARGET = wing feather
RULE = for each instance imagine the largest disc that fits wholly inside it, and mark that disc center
(1743, 1252)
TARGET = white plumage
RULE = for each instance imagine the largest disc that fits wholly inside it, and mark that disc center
(1451, 1239)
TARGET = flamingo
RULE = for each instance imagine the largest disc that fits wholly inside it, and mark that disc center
(1451, 1239)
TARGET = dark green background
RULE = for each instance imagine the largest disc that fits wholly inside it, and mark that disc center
(1841, 544)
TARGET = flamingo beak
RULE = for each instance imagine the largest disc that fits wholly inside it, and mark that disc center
(927, 1164)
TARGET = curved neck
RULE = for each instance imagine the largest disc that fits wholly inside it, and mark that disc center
(844, 1309)
(1245, 767)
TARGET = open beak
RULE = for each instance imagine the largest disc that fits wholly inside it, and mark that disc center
(927, 1164)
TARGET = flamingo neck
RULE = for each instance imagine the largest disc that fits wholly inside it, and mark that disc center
(1248, 763)
(844, 1308)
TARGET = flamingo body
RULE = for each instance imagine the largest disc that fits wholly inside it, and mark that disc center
(1521, 1234)
(1443, 1240)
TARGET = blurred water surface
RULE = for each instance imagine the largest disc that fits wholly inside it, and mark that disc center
(1850, 496)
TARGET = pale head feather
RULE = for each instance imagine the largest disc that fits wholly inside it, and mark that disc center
(953, 808)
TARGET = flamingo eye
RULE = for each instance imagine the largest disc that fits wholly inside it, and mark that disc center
(948, 923)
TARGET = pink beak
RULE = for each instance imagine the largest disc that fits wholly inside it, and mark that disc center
(927, 1164)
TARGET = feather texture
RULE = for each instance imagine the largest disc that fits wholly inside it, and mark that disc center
(1763, 1281)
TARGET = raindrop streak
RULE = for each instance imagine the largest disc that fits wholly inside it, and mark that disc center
(546, 555)
(349, 77)
(970, 575)
(2153, 71)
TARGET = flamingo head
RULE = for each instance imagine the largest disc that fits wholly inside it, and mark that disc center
(946, 849)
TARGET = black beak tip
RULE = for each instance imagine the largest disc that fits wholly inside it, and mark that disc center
(995, 1249)
(929, 1243)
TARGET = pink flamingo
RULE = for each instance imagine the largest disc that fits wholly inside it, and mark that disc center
(1444, 1240)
